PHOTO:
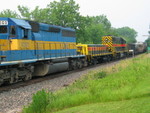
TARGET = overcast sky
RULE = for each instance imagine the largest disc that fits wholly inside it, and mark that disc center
(132, 13)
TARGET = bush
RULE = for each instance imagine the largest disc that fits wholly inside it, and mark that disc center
(40, 100)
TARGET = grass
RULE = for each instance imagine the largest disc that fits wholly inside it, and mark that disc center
(138, 105)
(125, 81)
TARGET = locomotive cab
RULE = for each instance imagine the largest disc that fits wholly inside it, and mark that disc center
(14, 28)
(14, 36)
(4, 33)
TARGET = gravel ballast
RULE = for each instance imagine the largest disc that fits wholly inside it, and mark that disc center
(14, 100)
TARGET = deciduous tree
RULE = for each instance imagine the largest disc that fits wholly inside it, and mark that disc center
(128, 33)
(9, 13)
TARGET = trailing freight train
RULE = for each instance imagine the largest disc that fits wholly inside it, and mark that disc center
(137, 48)
(30, 49)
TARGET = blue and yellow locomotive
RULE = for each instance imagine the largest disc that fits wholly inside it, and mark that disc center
(30, 48)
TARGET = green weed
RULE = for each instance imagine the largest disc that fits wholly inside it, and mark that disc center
(124, 81)
(40, 100)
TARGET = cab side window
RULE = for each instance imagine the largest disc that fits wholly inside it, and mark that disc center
(25, 33)
(3, 29)
(12, 31)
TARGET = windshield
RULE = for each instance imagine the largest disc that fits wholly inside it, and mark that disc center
(3, 29)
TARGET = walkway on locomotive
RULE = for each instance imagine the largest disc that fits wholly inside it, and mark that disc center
(27, 41)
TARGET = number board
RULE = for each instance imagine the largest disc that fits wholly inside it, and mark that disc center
(3, 22)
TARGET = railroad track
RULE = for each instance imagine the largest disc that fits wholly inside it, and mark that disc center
(8, 87)
(35, 80)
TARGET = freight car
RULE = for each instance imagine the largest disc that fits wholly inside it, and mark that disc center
(138, 48)
(29, 49)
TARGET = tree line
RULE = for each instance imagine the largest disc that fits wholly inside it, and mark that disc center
(89, 29)
(148, 39)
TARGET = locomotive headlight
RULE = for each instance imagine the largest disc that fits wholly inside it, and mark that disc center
(106, 40)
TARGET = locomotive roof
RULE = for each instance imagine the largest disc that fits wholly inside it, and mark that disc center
(46, 26)
(117, 38)
(19, 22)
(25, 24)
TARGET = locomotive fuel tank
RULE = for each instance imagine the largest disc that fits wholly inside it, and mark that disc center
(44, 69)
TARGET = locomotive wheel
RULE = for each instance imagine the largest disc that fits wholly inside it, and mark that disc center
(14, 78)
(94, 61)
(1, 82)
(28, 76)
(84, 62)
(79, 64)
(108, 58)
(100, 60)
(73, 65)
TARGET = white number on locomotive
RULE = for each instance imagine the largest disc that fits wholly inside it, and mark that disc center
(3, 22)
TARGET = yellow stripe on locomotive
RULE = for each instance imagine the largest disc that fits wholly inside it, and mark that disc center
(4, 45)
(18, 44)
